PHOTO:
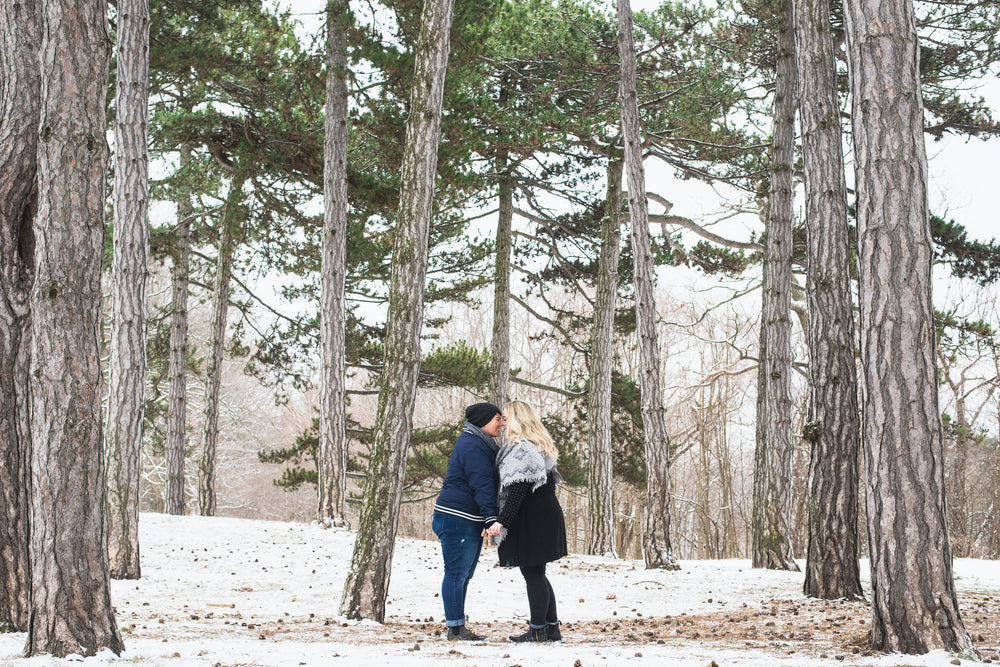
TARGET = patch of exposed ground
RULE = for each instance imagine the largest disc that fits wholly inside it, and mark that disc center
(835, 629)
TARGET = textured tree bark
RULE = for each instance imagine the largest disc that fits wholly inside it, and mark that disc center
(656, 520)
(601, 514)
(834, 426)
(229, 230)
(176, 445)
(371, 563)
(773, 454)
(500, 342)
(129, 272)
(20, 91)
(914, 608)
(332, 485)
(71, 609)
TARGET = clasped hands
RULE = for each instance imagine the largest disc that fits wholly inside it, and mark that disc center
(493, 530)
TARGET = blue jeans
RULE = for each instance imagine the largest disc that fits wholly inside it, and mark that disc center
(461, 542)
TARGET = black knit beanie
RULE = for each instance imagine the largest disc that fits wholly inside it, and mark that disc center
(481, 414)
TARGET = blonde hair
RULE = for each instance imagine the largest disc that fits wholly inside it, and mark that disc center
(523, 424)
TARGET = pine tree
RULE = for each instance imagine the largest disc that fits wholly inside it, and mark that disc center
(367, 584)
(771, 547)
(656, 520)
(833, 429)
(20, 98)
(332, 485)
(129, 272)
(914, 606)
(71, 609)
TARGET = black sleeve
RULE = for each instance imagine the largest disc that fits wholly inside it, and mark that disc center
(516, 495)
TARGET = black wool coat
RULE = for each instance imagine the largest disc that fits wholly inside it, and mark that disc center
(537, 535)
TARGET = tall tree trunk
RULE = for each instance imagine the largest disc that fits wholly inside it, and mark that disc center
(232, 218)
(129, 272)
(371, 563)
(773, 455)
(994, 524)
(332, 485)
(731, 544)
(656, 520)
(834, 426)
(601, 516)
(703, 518)
(71, 608)
(914, 608)
(500, 342)
(177, 391)
(20, 91)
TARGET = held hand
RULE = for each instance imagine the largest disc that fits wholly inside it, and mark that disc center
(494, 529)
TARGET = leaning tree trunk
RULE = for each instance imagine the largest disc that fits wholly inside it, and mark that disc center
(834, 426)
(71, 608)
(332, 486)
(656, 520)
(229, 228)
(772, 482)
(20, 90)
(601, 512)
(177, 382)
(914, 608)
(500, 343)
(368, 578)
(127, 359)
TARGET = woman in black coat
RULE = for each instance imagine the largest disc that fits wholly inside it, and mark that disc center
(530, 528)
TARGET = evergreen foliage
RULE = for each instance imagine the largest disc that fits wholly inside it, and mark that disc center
(529, 79)
(978, 261)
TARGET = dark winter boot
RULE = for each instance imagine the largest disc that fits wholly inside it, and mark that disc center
(532, 635)
(553, 632)
(460, 632)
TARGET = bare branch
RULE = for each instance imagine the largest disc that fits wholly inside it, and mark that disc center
(546, 387)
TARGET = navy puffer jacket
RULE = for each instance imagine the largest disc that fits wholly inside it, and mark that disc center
(470, 485)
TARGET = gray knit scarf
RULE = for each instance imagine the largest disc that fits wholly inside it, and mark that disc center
(469, 427)
(522, 461)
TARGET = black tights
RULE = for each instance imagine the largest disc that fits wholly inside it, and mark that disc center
(541, 599)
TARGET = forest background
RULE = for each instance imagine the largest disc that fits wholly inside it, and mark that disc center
(707, 293)
(657, 363)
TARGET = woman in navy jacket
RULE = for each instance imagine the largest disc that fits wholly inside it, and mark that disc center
(466, 506)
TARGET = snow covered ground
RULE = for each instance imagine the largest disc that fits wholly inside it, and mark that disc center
(241, 593)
